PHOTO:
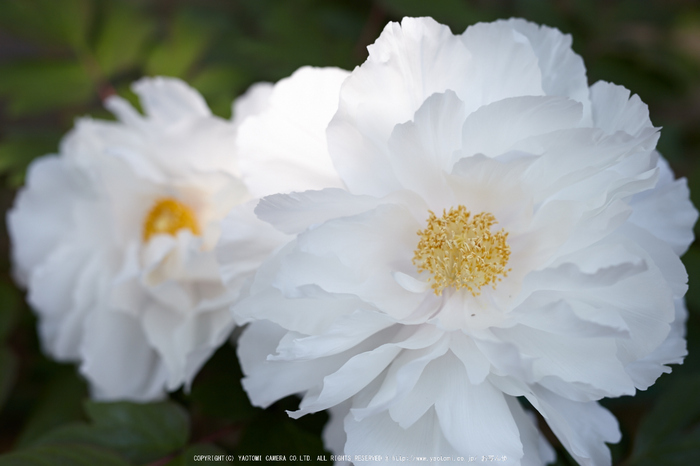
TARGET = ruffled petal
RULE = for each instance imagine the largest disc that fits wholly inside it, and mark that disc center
(536, 450)
(184, 343)
(421, 151)
(118, 361)
(666, 211)
(496, 128)
(475, 419)
(381, 440)
(169, 101)
(673, 350)
(583, 428)
(38, 205)
(259, 340)
(334, 436)
(295, 212)
(386, 90)
(614, 110)
(563, 71)
(244, 244)
(502, 64)
(283, 148)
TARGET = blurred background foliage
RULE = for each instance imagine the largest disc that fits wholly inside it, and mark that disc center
(60, 58)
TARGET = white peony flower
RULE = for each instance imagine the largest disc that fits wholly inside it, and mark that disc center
(114, 239)
(506, 231)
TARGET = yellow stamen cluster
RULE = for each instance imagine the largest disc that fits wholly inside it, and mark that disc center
(460, 251)
(168, 216)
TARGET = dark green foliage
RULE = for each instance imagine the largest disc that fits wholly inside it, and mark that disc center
(272, 434)
(217, 391)
(187, 457)
(138, 432)
(60, 58)
(61, 402)
(670, 434)
(68, 454)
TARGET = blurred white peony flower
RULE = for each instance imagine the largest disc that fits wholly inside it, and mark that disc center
(114, 239)
(506, 232)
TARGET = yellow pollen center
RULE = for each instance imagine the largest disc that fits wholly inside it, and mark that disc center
(169, 216)
(460, 250)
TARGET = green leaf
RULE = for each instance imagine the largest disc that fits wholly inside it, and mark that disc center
(205, 452)
(122, 37)
(680, 451)
(65, 22)
(694, 185)
(139, 432)
(691, 260)
(185, 44)
(8, 373)
(35, 87)
(217, 392)
(67, 455)
(275, 434)
(61, 402)
(10, 299)
(279, 46)
(671, 429)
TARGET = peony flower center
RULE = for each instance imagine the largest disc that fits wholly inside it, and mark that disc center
(461, 251)
(169, 216)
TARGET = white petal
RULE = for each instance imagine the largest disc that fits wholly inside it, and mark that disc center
(494, 129)
(401, 377)
(358, 255)
(475, 419)
(587, 360)
(571, 317)
(176, 132)
(295, 212)
(420, 399)
(673, 350)
(258, 341)
(503, 64)
(371, 358)
(475, 363)
(63, 291)
(570, 156)
(244, 244)
(348, 380)
(666, 211)
(184, 342)
(485, 185)
(345, 333)
(383, 441)
(118, 361)
(421, 150)
(614, 110)
(39, 204)
(410, 283)
(386, 90)
(334, 436)
(536, 449)
(252, 102)
(506, 359)
(306, 315)
(583, 428)
(283, 148)
(661, 255)
(563, 71)
(170, 100)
